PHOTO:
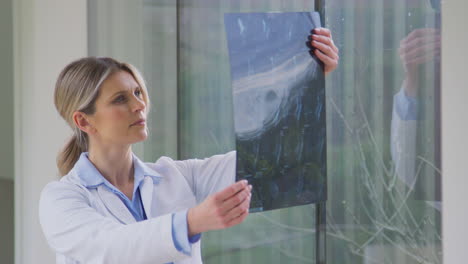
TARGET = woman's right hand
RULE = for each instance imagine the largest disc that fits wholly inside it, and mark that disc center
(223, 209)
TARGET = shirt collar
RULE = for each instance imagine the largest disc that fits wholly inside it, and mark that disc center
(89, 176)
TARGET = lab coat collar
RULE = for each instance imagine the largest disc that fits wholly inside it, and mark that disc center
(145, 177)
(142, 169)
(146, 188)
(115, 205)
(90, 177)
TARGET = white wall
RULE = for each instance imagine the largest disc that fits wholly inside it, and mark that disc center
(48, 34)
(454, 131)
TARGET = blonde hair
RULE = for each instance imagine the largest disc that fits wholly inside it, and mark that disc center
(77, 89)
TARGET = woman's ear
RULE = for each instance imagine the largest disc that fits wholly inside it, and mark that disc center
(81, 120)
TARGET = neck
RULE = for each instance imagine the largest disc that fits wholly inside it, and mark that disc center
(114, 163)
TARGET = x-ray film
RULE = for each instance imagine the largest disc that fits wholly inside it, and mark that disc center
(279, 107)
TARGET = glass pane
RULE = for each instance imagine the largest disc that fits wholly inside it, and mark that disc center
(160, 70)
(181, 48)
(206, 128)
(382, 121)
(384, 143)
(144, 33)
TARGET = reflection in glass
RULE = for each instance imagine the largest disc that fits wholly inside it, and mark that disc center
(384, 143)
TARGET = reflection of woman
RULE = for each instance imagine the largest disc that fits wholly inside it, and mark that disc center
(421, 48)
(412, 139)
(109, 207)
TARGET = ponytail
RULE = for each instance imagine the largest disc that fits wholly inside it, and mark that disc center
(67, 158)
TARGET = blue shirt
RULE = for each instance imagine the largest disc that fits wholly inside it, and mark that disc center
(406, 106)
(92, 178)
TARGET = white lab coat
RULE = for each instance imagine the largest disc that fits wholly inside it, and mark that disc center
(92, 225)
(403, 150)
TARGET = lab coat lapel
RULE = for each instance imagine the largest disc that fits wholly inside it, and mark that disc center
(146, 191)
(115, 205)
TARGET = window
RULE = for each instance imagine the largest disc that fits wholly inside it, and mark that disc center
(384, 202)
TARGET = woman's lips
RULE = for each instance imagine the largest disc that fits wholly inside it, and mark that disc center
(140, 122)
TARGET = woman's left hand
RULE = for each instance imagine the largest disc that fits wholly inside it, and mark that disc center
(325, 49)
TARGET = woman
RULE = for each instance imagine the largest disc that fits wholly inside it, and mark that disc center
(110, 207)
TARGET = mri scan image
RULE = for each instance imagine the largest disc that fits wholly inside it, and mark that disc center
(278, 91)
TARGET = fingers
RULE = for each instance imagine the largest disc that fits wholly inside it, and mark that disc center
(230, 191)
(236, 200)
(427, 44)
(239, 219)
(423, 58)
(239, 209)
(418, 42)
(411, 42)
(427, 49)
(419, 52)
(330, 64)
(325, 40)
(326, 51)
(322, 31)
(233, 210)
(326, 46)
(323, 57)
(221, 210)
(420, 33)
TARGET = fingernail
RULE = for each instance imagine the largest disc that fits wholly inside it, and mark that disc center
(245, 181)
(250, 187)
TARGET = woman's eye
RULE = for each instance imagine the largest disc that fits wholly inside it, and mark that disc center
(138, 92)
(119, 99)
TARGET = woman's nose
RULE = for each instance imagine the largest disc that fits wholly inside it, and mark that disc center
(139, 105)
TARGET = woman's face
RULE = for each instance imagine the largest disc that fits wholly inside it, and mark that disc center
(120, 116)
